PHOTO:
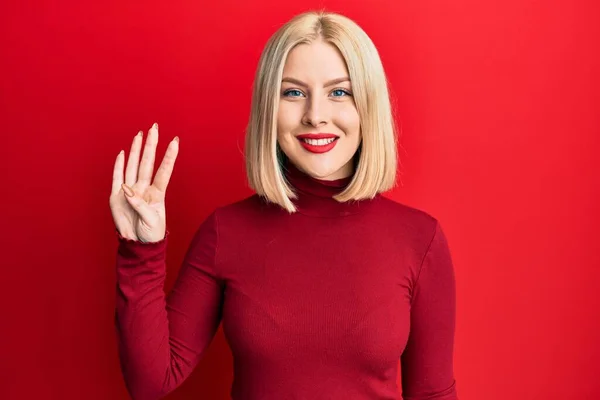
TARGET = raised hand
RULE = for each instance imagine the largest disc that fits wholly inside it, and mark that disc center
(137, 204)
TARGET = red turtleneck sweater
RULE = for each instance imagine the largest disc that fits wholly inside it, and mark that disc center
(320, 304)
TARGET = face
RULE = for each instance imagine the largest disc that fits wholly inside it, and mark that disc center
(318, 127)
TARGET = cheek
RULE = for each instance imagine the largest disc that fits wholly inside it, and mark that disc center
(286, 117)
(285, 126)
(347, 119)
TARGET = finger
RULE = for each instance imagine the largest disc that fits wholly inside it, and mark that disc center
(163, 174)
(141, 207)
(147, 163)
(117, 176)
(133, 162)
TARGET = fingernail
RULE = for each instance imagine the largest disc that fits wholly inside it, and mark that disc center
(140, 133)
(155, 126)
(127, 190)
(176, 139)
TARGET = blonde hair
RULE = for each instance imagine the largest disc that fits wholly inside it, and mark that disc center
(376, 159)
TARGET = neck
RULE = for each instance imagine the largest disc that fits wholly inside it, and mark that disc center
(315, 196)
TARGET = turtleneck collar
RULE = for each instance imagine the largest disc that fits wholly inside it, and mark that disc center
(315, 196)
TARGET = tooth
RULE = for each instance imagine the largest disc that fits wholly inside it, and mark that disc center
(319, 142)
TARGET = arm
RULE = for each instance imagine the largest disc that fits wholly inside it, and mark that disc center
(161, 339)
(427, 361)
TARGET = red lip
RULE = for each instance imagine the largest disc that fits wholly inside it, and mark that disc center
(317, 136)
(318, 149)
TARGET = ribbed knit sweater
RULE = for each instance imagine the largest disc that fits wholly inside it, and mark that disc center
(325, 303)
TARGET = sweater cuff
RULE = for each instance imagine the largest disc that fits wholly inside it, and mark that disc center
(136, 248)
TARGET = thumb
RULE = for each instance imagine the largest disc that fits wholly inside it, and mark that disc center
(137, 203)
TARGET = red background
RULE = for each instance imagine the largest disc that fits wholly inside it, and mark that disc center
(499, 107)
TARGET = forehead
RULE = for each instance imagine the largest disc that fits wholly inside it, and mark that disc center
(315, 62)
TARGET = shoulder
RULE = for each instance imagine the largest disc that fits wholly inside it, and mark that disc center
(406, 214)
(417, 233)
(413, 224)
(240, 208)
(249, 210)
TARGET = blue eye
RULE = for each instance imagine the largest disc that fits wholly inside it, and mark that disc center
(335, 93)
(287, 92)
(341, 91)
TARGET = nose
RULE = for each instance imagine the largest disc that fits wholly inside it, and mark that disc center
(316, 112)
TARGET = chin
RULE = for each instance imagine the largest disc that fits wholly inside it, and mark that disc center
(320, 170)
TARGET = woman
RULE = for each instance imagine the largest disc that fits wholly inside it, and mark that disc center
(322, 284)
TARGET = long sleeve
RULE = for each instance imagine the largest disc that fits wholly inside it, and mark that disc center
(427, 361)
(162, 338)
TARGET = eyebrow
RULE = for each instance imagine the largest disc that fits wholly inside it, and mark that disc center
(328, 83)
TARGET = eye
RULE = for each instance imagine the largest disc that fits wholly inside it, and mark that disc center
(341, 93)
(335, 93)
(292, 93)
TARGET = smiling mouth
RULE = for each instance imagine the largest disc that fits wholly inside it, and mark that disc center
(318, 142)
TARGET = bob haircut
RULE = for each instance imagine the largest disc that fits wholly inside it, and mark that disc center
(376, 158)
